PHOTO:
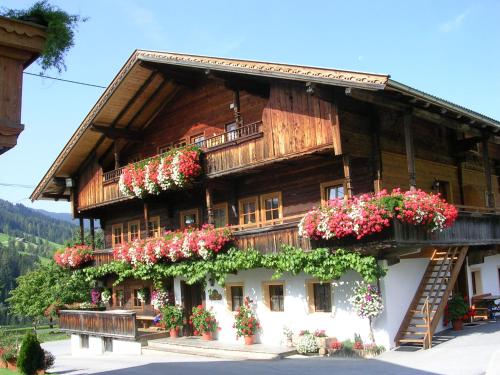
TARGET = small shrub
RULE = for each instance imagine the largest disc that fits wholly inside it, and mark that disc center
(48, 360)
(307, 344)
(31, 356)
(9, 347)
(172, 316)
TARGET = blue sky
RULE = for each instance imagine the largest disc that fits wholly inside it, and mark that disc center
(448, 48)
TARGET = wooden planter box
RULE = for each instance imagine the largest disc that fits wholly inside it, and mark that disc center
(324, 344)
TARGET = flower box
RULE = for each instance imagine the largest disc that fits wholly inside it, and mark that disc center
(74, 257)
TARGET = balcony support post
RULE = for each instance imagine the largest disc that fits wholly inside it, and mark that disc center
(376, 156)
(146, 219)
(116, 154)
(346, 161)
(82, 231)
(208, 199)
(490, 198)
(92, 232)
(410, 151)
(236, 108)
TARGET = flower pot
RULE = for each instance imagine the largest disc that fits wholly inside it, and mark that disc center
(207, 336)
(174, 333)
(249, 340)
(457, 325)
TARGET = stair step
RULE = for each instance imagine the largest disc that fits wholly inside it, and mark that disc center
(417, 325)
(411, 340)
(414, 332)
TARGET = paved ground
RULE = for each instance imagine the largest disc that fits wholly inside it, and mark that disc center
(475, 351)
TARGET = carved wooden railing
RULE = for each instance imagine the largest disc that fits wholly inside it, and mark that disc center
(117, 324)
(231, 137)
(112, 176)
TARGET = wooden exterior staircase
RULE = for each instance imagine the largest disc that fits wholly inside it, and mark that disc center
(428, 304)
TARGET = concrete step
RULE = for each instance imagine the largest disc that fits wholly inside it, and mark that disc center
(217, 349)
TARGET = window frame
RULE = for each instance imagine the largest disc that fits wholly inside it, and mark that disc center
(263, 210)
(197, 143)
(241, 216)
(224, 207)
(154, 219)
(117, 301)
(140, 305)
(129, 233)
(329, 184)
(165, 148)
(311, 296)
(229, 293)
(447, 187)
(113, 242)
(183, 213)
(476, 284)
(180, 143)
(266, 288)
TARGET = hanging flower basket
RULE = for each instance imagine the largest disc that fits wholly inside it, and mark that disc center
(175, 169)
(175, 246)
(74, 257)
(367, 214)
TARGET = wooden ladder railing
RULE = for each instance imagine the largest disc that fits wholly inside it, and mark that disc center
(419, 324)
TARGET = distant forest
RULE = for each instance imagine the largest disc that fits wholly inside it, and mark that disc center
(24, 243)
(19, 221)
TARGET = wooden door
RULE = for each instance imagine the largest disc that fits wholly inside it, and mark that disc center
(191, 296)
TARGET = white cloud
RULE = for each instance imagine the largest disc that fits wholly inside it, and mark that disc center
(453, 24)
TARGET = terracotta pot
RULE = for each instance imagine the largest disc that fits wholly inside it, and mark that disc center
(174, 333)
(249, 340)
(457, 325)
(207, 336)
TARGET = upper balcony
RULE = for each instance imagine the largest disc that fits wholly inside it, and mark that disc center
(223, 152)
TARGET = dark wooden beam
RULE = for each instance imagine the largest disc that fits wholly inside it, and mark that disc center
(467, 144)
(490, 198)
(82, 231)
(146, 217)
(346, 162)
(92, 233)
(376, 154)
(117, 133)
(209, 205)
(236, 108)
(319, 91)
(410, 151)
(182, 76)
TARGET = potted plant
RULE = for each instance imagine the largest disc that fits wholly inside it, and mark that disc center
(60, 30)
(159, 299)
(288, 336)
(9, 348)
(246, 322)
(172, 318)
(106, 296)
(306, 343)
(204, 322)
(456, 311)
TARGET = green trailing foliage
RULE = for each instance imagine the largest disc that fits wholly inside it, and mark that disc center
(60, 30)
(322, 264)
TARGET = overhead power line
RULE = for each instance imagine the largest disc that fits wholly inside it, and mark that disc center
(16, 185)
(65, 80)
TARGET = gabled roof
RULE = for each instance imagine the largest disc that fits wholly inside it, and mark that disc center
(138, 92)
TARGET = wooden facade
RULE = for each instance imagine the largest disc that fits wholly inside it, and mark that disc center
(20, 45)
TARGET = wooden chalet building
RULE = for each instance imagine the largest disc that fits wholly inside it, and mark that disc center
(276, 141)
(20, 44)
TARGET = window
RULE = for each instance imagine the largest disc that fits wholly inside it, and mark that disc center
(137, 301)
(84, 339)
(332, 190)
(165, 148)
(220, 213)
(180, 143)
(249, 213)
(198, 140)
(134, 230)
(477, 285)
(116, 234)
(231, 130)
(119, 298)
(134, 158)
(154, 227)
(234, 295)
(189, 218)
(443, 188)
(271, 206)
(276, 298)
(319, 296)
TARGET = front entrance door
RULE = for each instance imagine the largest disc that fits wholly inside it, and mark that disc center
(191, 296)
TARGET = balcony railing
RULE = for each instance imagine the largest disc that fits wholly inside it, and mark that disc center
(113, 323)
(230, 137)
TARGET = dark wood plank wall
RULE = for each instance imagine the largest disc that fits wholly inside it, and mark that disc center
(90, 188)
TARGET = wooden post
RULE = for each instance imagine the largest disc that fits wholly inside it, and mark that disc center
(490, 198)
(208, 199)
(82, 231)
(117, 154)
(376, 156)
(146, 219)
(236, 108)
(410, 151)
(92, 233)
(346, 161)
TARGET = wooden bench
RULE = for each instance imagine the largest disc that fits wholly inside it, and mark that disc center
(481, 312)
(145, 320)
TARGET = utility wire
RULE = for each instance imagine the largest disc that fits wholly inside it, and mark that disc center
(16, 185)
(65, 80)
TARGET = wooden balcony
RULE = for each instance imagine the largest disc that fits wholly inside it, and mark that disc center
(231, 149)
(113, 323)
